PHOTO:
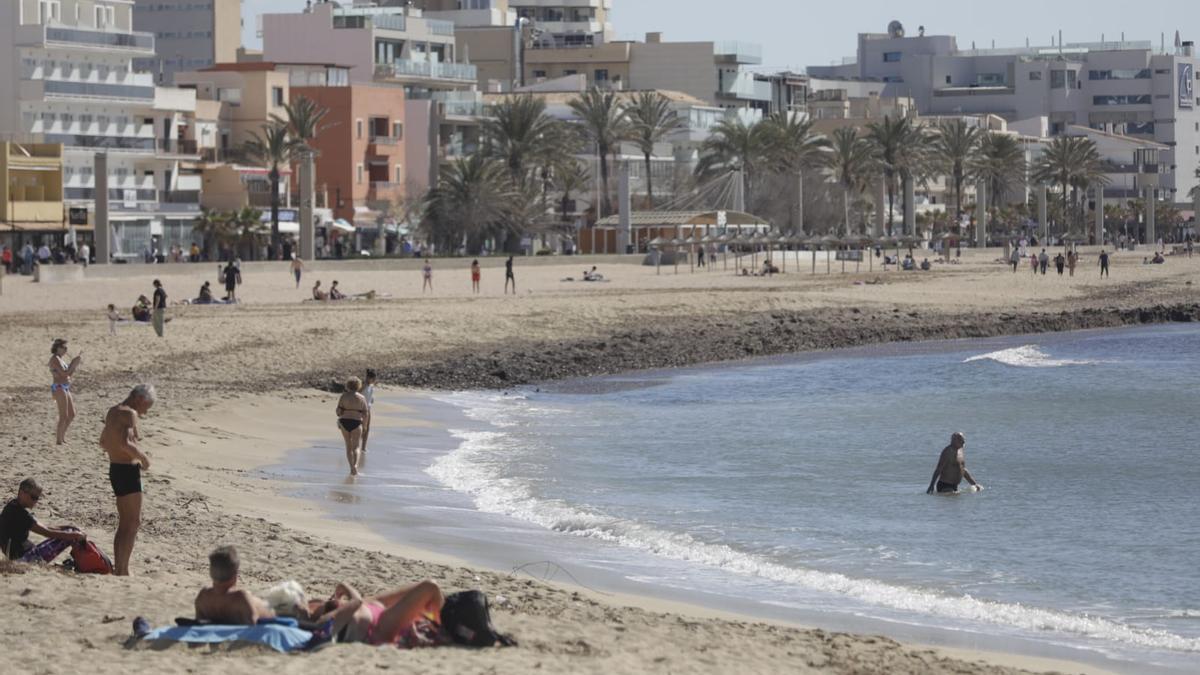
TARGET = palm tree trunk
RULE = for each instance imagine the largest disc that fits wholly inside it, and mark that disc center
(605, 202)
(891, 192)
(649, 184)
(274, 209)
(846, 207)
(958, 181)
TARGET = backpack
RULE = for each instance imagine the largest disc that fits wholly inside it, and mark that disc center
(468, 621)
(89, 559)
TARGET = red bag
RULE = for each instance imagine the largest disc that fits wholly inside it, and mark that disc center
(89, 559)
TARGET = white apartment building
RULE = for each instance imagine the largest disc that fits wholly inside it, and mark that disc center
(67, 76)
(188, 34)
(1124, 88)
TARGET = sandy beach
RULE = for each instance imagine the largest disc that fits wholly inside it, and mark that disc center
(240, 386)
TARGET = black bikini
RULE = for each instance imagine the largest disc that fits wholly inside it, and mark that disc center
(349, 425)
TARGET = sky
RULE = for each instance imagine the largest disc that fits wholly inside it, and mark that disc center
(796, 33)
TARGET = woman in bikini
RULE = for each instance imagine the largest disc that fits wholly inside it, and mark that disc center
(407, 617)
(475, 274)
(351, 411)
(60, 389)
(427, 276)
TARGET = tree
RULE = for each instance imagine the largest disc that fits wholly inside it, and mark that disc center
(243, 225)
(851, 160)
(471, 200)
(274, 148)
(1000, 163)
(794, 148)
(954, 147)
(1072, 163)
(304, 120)
(899, 145)
(604, 125)
(733, 145)
(212, 226)
(520, 134)
(570, 178)
(651, 121)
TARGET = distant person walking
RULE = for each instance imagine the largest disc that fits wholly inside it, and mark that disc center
(60, 389)
(952, 468)
(1060, 263)
(700, 257)
(297, 268)
(1103, 263)
(475, 275)
(427, 277)
(1043, 261)
(1015, 258)
(508, 276)
(159, 315)
(1033, 262)
(1072, 261)
(369, 395)
(126, 462)
(232, 276)
(85, 254)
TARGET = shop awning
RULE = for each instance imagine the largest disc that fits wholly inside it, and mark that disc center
(35, 226)
(342, 225)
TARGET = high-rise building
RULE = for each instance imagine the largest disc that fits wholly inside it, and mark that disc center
(188, 34)
(67, 76)
(1126, 88)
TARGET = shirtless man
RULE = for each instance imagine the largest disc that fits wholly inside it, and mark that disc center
(952, 468)
(224, 603)
(126, 462)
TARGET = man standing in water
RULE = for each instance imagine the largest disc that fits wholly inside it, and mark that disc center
(952, 468)
(126, 462)
(508, 276)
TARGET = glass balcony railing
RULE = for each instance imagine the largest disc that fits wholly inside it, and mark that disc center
(427, 69)
(90, 90)
(738, 52)
(103, 142)
(91, 38)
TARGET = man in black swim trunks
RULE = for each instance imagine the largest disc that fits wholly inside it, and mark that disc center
(508, 276)
(952, 468)
(126, 463)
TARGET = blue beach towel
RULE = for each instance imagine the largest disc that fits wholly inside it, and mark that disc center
(282, 635)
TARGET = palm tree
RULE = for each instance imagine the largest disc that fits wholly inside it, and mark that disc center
(1000, 163)
(604, 125)
(243, 224)
(851, 160)
(899, 145)
(1072, 163)
(793, 148)
(955, 145)
(652, 121)
(211, 226)
(472, 197)
(520, 134)
(733, 145)
(304, 120)
(570, 178)
(274, 148)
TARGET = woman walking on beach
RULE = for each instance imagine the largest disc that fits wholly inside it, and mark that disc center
(60, 389)
(352, 410)
(475, 274)
(427, 275)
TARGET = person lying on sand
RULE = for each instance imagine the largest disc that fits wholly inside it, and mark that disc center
(951, 468)
(406, 617)
(335, 293)
(223, 602)
(318, 294)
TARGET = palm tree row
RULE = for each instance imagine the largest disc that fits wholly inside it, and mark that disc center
(229, 228)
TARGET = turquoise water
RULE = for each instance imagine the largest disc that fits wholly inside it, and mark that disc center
(802, 482)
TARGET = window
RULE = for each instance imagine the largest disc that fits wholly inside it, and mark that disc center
(1122, 99)
(398, 130)
(601, 75)
(277, 94)
(895, 79)
(1062, 79)
(359, 127)
(539, 74)
(1035, 76)
(399, 174)
(230, 95)
(891, 57)
(568, 72)
(360, 174)
(105, 16)
(947, 79)
(1143, 74)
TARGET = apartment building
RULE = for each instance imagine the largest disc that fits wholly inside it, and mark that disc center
(1124, 88)
(715, 72)
(67, 77)
(189, 34)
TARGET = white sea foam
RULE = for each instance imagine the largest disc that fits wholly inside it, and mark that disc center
(1028, 356)
(473, 469)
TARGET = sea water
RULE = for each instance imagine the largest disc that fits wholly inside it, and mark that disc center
(797, 485)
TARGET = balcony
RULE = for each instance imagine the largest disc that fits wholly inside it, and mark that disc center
(110, 143)
(458, 150)
(178, 146)
(133, 43)
(381, 191)
(460, 73)
(88, 90)
(745, 87)
(738, 52)
(22, 211)
(262, 200)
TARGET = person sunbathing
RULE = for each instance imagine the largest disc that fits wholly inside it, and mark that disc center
(141, 309)
(334, 293)
(223, 602)
(206, 295)
(406, 617)
(319, 294)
